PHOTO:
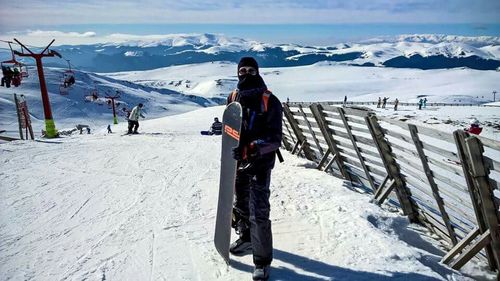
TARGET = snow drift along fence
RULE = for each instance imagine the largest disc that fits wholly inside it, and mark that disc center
(447, 182)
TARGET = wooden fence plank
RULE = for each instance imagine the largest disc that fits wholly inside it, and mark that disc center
(317, 111)
(484, 239)
(432, 183)
(344, 119)
(392, 168)
(460, 137)
(311, 131)
(479, 174)
(460, 246)
(298, 133)
(441, 151)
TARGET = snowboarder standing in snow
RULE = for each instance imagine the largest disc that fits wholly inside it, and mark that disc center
(345, 101)
(260, 138)
(420, 103)
(396, 102)
(133, 119)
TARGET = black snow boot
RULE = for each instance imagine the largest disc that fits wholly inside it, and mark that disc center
(261, 272)
(242, 246)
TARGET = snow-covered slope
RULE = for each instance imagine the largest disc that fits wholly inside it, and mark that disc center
(142, 207)
(78, 108)
(328, 82)
(131, 52)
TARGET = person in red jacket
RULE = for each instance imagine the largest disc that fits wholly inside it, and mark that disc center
(474, 127)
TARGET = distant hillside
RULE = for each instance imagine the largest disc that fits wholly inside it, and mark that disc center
(405, 51)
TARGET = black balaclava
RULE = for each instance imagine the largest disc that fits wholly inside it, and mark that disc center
(247, 81)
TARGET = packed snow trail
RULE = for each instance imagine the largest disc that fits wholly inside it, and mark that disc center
(142, 207)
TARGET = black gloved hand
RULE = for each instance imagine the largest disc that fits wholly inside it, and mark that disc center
(237, 154)
(253, 150)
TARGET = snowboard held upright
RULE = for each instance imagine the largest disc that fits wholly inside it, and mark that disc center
(230, 138)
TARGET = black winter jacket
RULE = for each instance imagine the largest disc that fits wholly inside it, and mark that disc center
(264, 127)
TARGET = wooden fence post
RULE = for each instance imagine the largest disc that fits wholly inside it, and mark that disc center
(301, 139)
(385, 151)
(460, 137)
(317, 111)
(432, 183)
(355, 145)
(479, 172)
(16, 101)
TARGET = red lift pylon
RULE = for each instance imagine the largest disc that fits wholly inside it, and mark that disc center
(50, 127)
(112, 98)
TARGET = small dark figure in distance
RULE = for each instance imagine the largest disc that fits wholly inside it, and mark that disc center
(216, 128)
(474, 127)
(16, 77)
(7, 76)
(384, 102)
(396, 102)
(420, 103)
(379, 102)
(345, 101)
(133, 119)
(260, 138)
(425, 102)
(109, 129)
(69, 81)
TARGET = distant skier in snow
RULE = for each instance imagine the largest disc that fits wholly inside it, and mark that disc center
(396, 103)
(420, 103)
(474, 127)
(379, 102)
(109, 129)
(384, 102)
(345, 101)
(260, 138)
(133, 119)
(425, 102)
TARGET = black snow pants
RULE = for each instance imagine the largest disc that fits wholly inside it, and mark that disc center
(252, 201)
(133, 126)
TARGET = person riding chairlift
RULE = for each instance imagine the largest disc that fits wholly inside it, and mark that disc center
(69, 81)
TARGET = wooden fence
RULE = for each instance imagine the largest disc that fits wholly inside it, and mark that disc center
(447, 182)
(414, 104)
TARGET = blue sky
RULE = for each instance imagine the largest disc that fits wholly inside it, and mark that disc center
(296, 21)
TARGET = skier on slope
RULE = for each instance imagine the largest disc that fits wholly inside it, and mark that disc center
(260, 139)
(133, 119)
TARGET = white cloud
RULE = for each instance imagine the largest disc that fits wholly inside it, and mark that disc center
(55, 33)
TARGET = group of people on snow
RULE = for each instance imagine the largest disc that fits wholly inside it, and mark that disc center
(422, 103)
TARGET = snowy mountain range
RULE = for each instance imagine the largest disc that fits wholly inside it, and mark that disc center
(131, 52)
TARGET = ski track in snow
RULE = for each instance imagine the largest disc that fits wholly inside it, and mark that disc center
(142, 207)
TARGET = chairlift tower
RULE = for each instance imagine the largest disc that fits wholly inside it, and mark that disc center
(50, 127)
(112, 98)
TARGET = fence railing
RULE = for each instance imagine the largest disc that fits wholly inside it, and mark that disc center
(447, 182)
(361, 103)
